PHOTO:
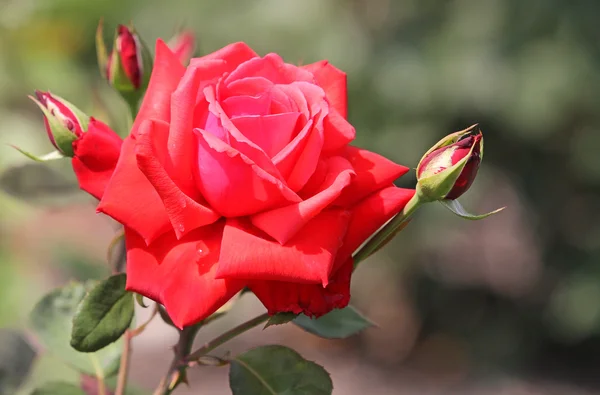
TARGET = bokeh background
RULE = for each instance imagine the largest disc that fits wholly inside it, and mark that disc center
(508, 305)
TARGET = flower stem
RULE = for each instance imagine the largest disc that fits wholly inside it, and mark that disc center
(124, 366)
(176, 373)
(225, 337)
(390, 229)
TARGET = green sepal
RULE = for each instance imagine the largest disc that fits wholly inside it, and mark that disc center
(101, 52)
(438, 186)
(280, 319)
(140, 300)
(458, 209)
(54, 155)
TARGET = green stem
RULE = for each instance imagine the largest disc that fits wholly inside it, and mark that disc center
(99, 373)
(176, 373)
(388, 231)
(225, 337)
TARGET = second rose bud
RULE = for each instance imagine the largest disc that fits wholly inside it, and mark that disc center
(128, 66)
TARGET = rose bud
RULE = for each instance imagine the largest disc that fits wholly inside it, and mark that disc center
(64, 122)
(92, 145)
(183, 45)
(449, 168)
(127, 68)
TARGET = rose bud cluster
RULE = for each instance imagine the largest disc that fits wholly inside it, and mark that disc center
(239, 172)
(92, 145)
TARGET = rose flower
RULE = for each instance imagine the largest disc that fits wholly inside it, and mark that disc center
(238, 173)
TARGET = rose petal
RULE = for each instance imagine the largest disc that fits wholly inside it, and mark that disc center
(185, 213)
(373, 172)
(334, 83)
(180, 274)
(308, 257)
(269, 132)
(131, 199)
(234, 54)
(283, 223)
(370, 214)
(244, 105)
(310, 299)
(232, 183)
(181, 138)
(221, 125)
(271, 67)
(96, 155)
(338, 132)
(166, 74)
(298, 160)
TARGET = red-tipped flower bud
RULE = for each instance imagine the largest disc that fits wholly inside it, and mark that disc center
(449, 168)
(183, 45)
(64, 122)
(128, 67)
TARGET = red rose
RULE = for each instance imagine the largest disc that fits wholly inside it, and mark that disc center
(238, 173)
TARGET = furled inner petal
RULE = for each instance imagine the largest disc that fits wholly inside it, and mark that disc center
(232, 183)
(269, 132)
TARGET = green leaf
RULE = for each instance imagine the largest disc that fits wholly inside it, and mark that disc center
(59, 388)
(16, 358)
(280, 319)
(458, 209)
(52, 321)
(103, 316)
(273, 370)
(337, 324)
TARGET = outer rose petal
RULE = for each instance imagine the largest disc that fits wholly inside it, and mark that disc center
(373, 172)
(166, 73)
(180, 274)
(132, 200)
(283, 223)
(334, 83)
(310, 299)
(370, 214)
(233, 184)
(185, 213)
(234, 54)
(308, 257)
(338, 132)
(181, 138)
(96, 155)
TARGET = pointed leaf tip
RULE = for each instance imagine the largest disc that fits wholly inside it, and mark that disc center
(458, 209)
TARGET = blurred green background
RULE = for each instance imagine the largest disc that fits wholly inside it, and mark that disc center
(510, 304)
